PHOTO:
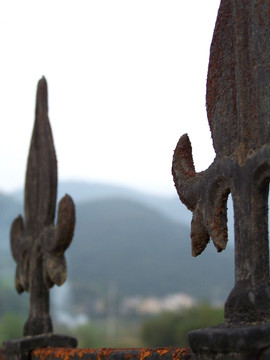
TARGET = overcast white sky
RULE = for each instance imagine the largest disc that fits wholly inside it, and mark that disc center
(126, 79)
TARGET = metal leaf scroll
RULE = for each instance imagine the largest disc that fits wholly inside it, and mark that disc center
(238, 108)
(37, 244)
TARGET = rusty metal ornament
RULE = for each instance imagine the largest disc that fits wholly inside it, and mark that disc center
(238, 109)
(37, 244)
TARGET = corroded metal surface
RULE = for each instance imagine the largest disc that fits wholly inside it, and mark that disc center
(38, 245)
(238, 107)
(112, 354)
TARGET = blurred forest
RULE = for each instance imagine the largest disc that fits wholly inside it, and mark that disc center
(165, 329)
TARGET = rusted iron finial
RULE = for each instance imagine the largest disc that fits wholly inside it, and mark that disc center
(238, 108)
(38, 245)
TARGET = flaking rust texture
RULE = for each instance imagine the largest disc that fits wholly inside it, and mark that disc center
(112, 354)
(238, 109)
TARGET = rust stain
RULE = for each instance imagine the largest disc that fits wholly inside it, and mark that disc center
(128, 356)
(81, 352)
(2, 354)
(58, 353)
(62, 354)
(163, 351)
(144, 353)
(104, 353)
(181, 353)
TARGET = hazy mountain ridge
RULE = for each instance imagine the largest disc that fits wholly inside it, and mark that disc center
(170, 206)
(123, 239)
(140, 252)
(82, 191)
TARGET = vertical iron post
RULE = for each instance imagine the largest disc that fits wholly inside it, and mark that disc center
(37, 244)
(238, 109)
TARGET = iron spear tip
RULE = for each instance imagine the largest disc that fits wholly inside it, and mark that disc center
(43, 78)
(42, 82)
(42, 95)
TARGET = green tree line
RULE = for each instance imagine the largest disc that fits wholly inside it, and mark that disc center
(172, 328)
(165, 329)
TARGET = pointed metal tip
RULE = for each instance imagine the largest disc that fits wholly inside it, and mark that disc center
(43, 79)
(42, 84)
(42, 95)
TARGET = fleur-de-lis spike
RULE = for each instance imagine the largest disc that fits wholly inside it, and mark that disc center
(238, 108)
(37, 244)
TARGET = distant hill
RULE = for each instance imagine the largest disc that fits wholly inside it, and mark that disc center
(81, 191)
(170, 206)
(139, 251)
(131, 241)
(9, 209)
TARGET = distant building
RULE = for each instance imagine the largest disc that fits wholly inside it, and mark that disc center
(154, 305)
